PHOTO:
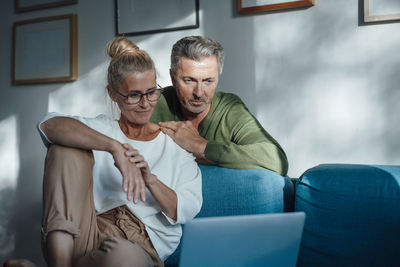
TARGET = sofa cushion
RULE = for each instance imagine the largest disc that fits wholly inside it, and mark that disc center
(352, 215)
(228, 192)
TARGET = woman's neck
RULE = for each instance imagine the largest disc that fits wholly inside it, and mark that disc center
(140, 132)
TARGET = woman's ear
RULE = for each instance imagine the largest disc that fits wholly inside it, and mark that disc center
(111, 92)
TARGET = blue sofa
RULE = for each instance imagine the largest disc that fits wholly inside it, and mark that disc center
(352, 211)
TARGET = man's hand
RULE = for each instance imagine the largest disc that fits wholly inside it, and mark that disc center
(186, 136)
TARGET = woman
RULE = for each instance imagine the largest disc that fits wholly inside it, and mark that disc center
(128, 211)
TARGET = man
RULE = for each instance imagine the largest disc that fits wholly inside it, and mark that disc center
(216, 127)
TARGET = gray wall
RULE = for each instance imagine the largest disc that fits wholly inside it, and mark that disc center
(322, 83)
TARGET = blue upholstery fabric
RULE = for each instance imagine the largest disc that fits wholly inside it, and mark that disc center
(228, 192)
(352, 215)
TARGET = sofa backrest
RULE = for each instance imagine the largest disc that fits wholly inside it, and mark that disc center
(352, 215)
(228, 192)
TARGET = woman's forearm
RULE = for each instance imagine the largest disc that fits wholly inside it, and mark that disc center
(165, 196)
(73, 133)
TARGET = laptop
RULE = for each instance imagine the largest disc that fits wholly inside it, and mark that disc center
(243, 241)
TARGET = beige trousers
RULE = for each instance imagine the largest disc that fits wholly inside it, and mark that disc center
(115, 238)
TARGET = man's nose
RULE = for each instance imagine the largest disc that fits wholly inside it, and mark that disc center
(198, 90)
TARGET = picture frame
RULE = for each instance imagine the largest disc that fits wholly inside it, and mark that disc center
(254, 6)
(376, 11)
(135, 17)
(31, 5)
(45, 50)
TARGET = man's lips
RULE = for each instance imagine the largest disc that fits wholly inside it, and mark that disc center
(197, 102)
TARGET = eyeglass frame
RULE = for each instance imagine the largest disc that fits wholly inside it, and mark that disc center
(159, 90)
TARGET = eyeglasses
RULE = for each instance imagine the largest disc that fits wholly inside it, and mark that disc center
(135, 97)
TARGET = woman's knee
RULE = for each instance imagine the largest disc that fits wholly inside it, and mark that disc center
(57, 153)
(118, 252)
(68, 163)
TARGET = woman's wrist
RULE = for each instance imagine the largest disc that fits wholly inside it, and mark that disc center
(151, 181)
(114, 146)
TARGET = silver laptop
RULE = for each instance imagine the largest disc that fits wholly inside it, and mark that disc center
(245, 241)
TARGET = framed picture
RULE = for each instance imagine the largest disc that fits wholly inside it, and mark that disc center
(381, 10)
(250, 6)
(45, 50)
(134, 17)
(30, 5)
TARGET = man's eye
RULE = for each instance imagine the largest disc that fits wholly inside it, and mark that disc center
(187, 80)
(210, 81)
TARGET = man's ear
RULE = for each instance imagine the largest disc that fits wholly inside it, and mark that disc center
(171, 74)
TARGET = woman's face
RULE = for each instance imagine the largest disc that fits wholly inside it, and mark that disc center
(140, 83)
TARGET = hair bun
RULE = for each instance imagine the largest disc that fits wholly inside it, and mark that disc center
(119, 46)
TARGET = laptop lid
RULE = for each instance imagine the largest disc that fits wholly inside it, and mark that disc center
(250, 240)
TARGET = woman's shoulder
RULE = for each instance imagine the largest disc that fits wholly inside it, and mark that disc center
(174, 148)
(101, 123)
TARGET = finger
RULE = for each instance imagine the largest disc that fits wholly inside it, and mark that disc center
(137, 191)
(142, 164)
(142, 190)
(170, 124)
(131, 188)
(127, 146)
(125, 183)
(131, 153)
(136, 159)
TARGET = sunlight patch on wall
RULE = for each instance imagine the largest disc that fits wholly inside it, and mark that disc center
(187, 20)
(9, 156)
(336, 119)
(85, 97)
(9, 166)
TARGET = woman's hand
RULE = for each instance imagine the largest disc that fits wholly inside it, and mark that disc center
(165, 196)
(132, 178)
(138, 160)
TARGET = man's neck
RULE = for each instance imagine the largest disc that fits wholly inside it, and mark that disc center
(196, 119)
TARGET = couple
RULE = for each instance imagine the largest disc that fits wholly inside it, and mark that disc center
(151, 152)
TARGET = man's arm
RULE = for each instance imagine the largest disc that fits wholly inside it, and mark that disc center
(187, 137)
(238, 141)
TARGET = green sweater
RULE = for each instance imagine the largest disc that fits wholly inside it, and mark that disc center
(235, 138)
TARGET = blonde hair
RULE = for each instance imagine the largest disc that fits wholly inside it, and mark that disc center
(126, 57)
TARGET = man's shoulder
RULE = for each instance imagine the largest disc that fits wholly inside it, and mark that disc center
(227, 97)
(227, 100)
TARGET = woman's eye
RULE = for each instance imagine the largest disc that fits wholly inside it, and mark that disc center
(134, 95)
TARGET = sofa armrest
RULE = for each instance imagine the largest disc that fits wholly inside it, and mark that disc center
(353, 215)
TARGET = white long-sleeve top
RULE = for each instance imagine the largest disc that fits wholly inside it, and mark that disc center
(174, 166)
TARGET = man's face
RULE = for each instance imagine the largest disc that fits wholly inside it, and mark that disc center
(195, 83)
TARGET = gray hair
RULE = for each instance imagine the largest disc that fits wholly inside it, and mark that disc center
(196, 47)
